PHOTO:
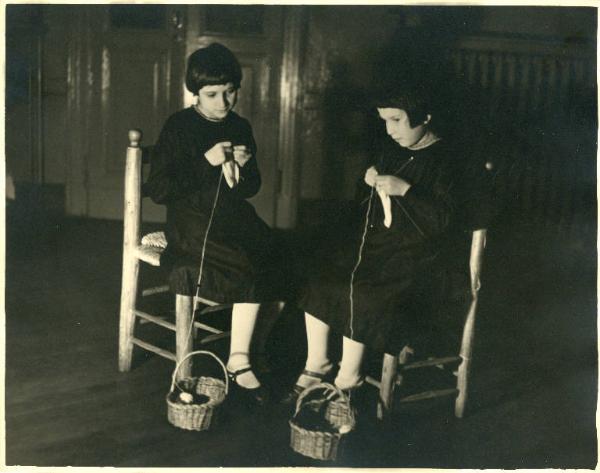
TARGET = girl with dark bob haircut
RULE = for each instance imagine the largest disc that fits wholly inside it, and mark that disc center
(365, 288)
(415, 97)
(212, 65)
(204, 169)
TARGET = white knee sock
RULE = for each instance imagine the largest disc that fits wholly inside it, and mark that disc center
(350, 367)
(243, 320)
(317, 338)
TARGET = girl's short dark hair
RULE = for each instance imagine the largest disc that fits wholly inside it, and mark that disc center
(411, 95)
(213, 65)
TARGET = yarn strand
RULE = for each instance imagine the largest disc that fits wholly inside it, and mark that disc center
(210, 220)
(358, 261)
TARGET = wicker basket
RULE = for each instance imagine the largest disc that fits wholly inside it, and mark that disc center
(197, 416)
(338, 412)
(318, 444)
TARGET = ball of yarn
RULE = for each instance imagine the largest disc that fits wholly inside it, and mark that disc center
(344, 429)
(186, 398)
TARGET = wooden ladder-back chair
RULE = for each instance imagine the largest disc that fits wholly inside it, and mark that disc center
(136, 250)
(394, 366)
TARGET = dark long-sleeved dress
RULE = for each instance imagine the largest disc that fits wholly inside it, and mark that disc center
(396, 261)
(242, 260)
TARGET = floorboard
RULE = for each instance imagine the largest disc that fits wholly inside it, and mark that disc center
(532, 400)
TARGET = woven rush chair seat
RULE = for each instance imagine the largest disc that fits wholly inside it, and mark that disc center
(155, 240)
(151, 247)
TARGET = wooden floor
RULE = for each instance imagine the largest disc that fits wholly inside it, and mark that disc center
(532, 403)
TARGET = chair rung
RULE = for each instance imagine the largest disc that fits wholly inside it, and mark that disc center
(207, 328)
(373, 382)
(215, 308)
(155, 290)
(206, 301)
(154, 319)
(431, 362)
(154, 349)
(429, 395)
(214, 337)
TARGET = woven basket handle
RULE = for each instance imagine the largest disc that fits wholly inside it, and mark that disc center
(324, 386)
(198, 352)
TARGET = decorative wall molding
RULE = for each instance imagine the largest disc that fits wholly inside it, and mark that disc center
(522, 77)
(289, 116)
(521, 45)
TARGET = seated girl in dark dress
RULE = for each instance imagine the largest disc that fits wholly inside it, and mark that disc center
(364, 290)
(204, 169)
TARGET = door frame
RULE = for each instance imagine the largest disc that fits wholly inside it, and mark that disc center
(290, 115)
(79, 103)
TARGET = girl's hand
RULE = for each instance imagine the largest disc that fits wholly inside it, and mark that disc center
(241, 154)
(219, 153)
(391, 185)
(370, 176)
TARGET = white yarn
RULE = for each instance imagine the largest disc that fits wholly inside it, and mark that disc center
(210, 219)
(387, 209)
(360, 249)
(386, 203)
(231, 171)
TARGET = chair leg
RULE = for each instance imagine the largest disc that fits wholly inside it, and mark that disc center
(184, 340)
(129, 286)
(462, 378)
(403, 357)
(461, 386)
(389, 371)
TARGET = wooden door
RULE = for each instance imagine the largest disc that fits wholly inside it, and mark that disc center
(126, 72)
(253, 33)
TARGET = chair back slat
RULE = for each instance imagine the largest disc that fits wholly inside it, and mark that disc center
(476, 259)
(133, 192)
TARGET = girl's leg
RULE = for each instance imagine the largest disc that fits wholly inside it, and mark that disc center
(350, 368)
(317, 361)
(243, 321)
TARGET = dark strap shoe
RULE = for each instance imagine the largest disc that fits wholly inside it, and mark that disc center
(291, 396)
(258, 396)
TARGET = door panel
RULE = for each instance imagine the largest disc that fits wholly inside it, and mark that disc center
(134, 83)
(126, 100)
